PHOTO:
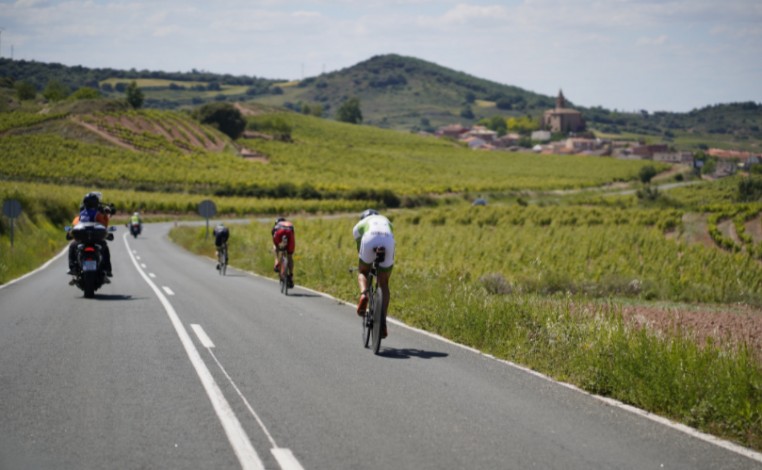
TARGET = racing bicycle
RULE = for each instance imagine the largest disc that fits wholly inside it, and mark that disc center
(283, 271)
(374, 320)
(222, 259)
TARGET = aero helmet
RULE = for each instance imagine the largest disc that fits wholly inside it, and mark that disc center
(368, 213)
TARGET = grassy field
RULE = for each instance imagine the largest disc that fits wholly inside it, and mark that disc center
(539, 276)
(545, 287)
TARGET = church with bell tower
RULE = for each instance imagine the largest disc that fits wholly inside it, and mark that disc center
(563, 119)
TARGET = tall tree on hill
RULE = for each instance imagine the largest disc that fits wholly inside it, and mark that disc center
(350, 111)
(25, 90)
(134, 95)
(56, 91)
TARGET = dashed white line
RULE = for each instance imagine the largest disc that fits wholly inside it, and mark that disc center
(239, 440)
(167, 290)
(142, 265)
(153, 276)
(283, 456)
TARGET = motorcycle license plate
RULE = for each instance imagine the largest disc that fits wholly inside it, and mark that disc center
(89, 265)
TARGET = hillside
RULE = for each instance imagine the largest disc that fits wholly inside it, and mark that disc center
(403, 93)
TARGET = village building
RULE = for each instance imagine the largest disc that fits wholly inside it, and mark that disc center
(455, 131)
(648, 151)
(563, 119)
(540, 136)
(481, 132)
(684, 158)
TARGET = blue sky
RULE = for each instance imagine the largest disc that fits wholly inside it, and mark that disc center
(671, 55)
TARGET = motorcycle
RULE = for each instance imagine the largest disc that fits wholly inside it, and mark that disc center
(89, 275)
(135, 229)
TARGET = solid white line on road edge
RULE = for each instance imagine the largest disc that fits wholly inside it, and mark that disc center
(731, 446)
(48, 263)
(284, 456)
(202, 336)
(239, 440)
(167, 290)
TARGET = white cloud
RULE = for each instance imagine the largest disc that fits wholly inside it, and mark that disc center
(540, 45)
(653, 41)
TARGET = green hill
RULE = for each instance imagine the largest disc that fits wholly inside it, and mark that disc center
(403, 93)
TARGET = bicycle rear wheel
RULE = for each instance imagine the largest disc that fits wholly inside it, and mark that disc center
(284, 275)
(223, 260)
(367, 323)
(378, 319)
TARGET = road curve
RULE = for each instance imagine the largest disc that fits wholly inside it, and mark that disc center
(174, 366)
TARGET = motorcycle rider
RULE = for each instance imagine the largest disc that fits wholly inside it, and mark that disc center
(91, 210)
(135, 219)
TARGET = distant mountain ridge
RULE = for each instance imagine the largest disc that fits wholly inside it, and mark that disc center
(396, 92)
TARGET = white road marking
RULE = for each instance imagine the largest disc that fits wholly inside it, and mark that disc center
(137, 257)
(167, 290)
(153, 276)
(239, 440)
(202, 336)
(286, 459)
(284, 456)
(142, 265)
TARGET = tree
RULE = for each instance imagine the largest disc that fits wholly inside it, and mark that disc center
(55, 91)
(350, 111)
(495, 123)
(25, 91)
(85, 93)
(225, 117)
(134, 95)
(466, 112)
(647, 173)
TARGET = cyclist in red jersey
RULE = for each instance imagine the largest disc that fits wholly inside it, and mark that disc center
(284, 239)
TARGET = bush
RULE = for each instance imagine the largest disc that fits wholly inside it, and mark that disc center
(223, 116)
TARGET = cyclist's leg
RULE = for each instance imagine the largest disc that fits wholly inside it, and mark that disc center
(362, 280)
(290, 248)
(383, 283)
(276, 266)
(384, 273)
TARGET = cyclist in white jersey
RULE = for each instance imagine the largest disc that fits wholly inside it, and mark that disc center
(371, 232)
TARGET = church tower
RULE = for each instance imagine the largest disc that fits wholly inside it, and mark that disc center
(560, 100)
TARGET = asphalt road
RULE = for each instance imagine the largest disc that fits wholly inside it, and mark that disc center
(174, 366)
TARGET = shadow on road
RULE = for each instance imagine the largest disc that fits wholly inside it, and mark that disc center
(303, 295)
(408, 353)
(113, 297)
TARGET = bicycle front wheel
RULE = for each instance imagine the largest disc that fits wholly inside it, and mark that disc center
(378, 319)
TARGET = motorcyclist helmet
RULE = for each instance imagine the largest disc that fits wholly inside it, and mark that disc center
(137, 214)
(91, 200)
(280, 219)
(368, 213)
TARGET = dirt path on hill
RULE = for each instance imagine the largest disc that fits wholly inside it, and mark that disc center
(102, 134)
